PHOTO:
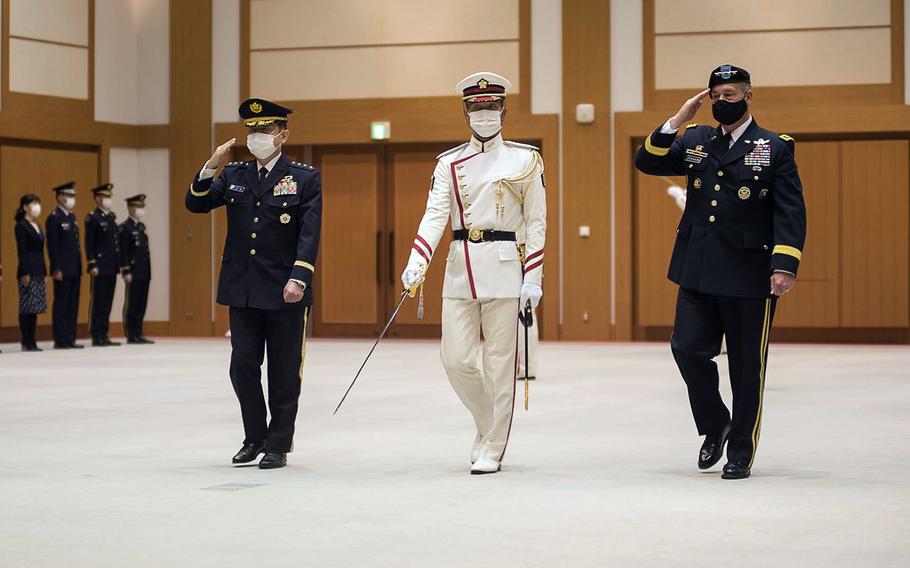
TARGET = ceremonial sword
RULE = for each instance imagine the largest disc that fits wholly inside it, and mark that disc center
(405, 294)
(527, 321)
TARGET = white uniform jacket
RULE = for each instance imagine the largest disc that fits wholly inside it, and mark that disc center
(495, 185)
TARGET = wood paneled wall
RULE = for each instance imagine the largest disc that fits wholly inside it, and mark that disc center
(854, 274)
(191, 146)
(586, 177)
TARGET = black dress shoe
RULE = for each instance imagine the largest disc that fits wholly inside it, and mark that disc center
(62, 346)
(98, 343)
(248, 453)
(76, 346)
(31, 348)
(146, 340)
(273, 460)
(713, 448)
(133, 340)
(736, 469)
(109, 343)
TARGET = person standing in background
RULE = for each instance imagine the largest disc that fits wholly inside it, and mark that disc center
(63, 250)
(101, 259)
(31, 272)
(136, 269)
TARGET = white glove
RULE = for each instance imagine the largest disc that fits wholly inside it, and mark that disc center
(678, 194)
(413, 274)
(530, 291)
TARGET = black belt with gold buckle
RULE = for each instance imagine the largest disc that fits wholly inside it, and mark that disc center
(481, 235)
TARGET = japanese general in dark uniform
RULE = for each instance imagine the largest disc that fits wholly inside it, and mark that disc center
(738, 248)
(274, 212)
(64, 251)
(101, 260)
(135, 268)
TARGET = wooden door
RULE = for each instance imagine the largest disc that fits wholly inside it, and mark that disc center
(351, 272)
(410, 168)
(656, 219)
(814, 300)
(875, 233)
(24, 170)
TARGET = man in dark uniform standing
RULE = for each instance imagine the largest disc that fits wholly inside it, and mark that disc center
(738, 248)
(136, 269)
(101, 260)
(274, 212)
(64, 251)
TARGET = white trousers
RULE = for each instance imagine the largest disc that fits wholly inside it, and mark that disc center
(532, 349)
(489, 393)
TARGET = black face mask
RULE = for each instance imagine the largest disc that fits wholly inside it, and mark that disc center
(728, 113)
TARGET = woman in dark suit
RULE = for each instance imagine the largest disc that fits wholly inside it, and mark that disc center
(32, 271)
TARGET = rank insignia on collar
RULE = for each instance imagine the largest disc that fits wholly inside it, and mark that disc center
(763, 194)
(697, 183)
(285, 218)
(744, 193)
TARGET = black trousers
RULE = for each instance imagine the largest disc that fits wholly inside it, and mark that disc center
(701, 323)
(27, 325)
(65, 310)
(135, 300)
(281, 333)
(102, 298)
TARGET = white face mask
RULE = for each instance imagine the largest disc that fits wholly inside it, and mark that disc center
(261, 145)
(35, 209)
(139, 212)
(69, 202)
(486, 123)
(107, 202)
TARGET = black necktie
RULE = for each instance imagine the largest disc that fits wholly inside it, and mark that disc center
(728, 137)
(263, 172)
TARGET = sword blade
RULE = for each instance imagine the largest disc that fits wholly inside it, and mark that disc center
(404, 296)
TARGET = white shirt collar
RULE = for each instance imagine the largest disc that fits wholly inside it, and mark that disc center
(269, 166)
(734, 136)
(64, 209)
(490, 144)
(135, 220)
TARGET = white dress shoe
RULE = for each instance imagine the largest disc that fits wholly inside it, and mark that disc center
(475, 450)
(484, 465)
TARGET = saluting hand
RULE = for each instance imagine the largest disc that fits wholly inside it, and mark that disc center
(293, 292)
(220, 154)
(687, 112)
(781, 283)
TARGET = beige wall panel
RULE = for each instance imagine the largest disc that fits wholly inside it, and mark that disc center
(671, 16)
(836, 57)
(153, 18)
(376, 72)
(54, 20)
(116, 58)
(48, 69)
(315, 23)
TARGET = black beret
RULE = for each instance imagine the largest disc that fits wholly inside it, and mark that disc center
(728, 74)
(260, 112)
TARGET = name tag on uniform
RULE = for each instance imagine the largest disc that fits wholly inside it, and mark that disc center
(237, 188)
(65, 226)
(695, 156)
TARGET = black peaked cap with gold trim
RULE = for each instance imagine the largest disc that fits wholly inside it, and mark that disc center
(260, 112)
(138, 200)
(68, 188)
(728, 74)
(104, 190)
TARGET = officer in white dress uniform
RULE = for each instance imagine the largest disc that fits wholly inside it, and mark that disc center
(491, 189)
